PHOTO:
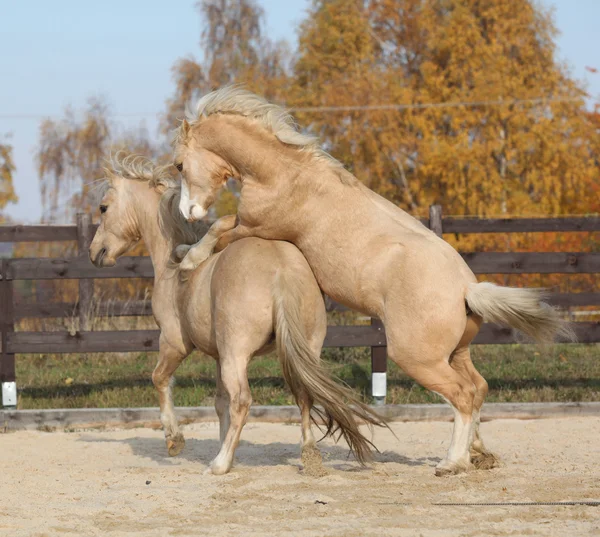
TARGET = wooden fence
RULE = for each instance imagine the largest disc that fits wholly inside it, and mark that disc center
(373, 336)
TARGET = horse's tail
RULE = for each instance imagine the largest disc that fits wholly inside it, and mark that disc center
(304, 372)
(523, 309)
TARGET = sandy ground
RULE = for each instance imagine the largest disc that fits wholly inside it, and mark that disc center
(122, 483)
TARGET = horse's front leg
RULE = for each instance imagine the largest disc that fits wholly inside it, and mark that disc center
(238, 232)
(203, 249)
(169, 359)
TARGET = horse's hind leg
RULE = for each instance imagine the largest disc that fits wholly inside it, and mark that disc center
(461, 361)
(234, 378)
(435, 374)
(168, 361)
(222, 405)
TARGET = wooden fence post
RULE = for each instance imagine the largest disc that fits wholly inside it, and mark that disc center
(7, 324)
(378, 369)
(435, 219)
(86, 287)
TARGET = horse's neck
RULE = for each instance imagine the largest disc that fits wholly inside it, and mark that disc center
(158, 245)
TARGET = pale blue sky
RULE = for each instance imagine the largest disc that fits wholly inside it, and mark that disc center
(60, 52)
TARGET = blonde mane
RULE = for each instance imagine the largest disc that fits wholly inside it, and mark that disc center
(235, 100)
(139, 168)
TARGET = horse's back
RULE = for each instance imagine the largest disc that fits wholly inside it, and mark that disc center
(243, 281)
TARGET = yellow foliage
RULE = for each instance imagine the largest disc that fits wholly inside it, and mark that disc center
(7, 168)
(527, 159)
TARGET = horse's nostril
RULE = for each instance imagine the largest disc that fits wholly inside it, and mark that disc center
(100, 257)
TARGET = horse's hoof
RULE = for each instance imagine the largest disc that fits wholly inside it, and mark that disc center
(217, 469)
(484, 460)
(175, 444)
(446, 468)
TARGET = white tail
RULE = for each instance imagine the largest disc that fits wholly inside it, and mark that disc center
(522, 309)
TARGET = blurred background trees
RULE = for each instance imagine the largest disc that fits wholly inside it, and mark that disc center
(491, 124)
(7, 167)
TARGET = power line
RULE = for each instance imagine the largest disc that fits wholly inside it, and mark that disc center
(472, 104)
(358, 108)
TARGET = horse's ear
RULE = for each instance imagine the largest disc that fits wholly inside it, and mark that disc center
(185, 129)
(160, 186)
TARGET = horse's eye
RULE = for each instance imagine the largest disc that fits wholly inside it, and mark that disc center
(103, 208)
(179, 167)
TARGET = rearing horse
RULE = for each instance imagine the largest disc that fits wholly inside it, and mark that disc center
(364, 251)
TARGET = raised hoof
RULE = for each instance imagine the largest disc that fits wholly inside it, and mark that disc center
(485, 460)
(446, 468)
(188, 265)
(175, 444)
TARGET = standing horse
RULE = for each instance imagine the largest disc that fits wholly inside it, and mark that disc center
(364, 251)
(229, 308)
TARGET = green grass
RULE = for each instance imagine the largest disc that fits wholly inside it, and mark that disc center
(514, 373)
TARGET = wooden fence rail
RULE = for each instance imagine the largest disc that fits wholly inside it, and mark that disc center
(80, 268)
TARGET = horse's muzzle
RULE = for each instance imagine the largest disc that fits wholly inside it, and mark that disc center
(97, 261)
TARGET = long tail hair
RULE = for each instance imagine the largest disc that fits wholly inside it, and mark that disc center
(304, 371)
(523, 309)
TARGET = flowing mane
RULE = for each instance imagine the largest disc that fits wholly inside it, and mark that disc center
(139, 168)
(235, 100)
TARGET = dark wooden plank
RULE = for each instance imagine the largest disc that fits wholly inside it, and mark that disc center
(38, 311)
(586, 332)
(39, 233)
(86, 286)
(520, 225)
(565, 300)
(141, 267)
(64, 309)
(7, 326)
(532, 262)
(45, 233)
(144, 307)
(76, 268)
(64, 342)
(435, 219)
(147, 340)
(354, 336)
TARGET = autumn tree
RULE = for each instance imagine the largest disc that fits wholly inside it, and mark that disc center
(72, 153)
(235, 50)
(7, 168)
(462, 141)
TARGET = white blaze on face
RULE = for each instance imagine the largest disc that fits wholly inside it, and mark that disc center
(184, 200)
(190, 208)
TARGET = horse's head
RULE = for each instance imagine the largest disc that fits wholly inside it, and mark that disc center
(118, 230)
(133, 187)
(235, 133)
(203, 173)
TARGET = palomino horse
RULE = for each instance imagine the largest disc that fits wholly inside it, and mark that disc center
(364, 251)
(229, 308)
